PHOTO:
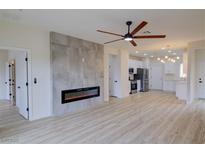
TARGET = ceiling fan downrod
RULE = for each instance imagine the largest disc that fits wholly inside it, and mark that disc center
(128, 24)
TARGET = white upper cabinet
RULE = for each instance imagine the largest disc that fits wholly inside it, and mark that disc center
(135, 64)
(169, 68)
(132, 63)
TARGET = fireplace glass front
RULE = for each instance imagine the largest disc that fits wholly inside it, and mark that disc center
(79, 94)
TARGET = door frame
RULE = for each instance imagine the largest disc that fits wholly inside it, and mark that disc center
(197, 85)
(7, 74)
(112, 84)
(107, 53)
(29, 76)
(151, 72)
(191, 74)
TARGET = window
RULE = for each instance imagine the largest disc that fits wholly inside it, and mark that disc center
(181, 73)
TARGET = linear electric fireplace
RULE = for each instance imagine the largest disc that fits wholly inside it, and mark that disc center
(79, 94)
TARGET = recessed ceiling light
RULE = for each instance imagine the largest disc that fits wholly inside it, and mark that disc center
(136, 51)
(83, 60)
(158, 59)
(145, 54)
(162, 61)
(166, 57)
(173, 61)
(178, 57)
(163, 48)
(151, 56)
(169, 51)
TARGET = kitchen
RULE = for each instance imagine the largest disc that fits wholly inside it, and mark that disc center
(163, 70)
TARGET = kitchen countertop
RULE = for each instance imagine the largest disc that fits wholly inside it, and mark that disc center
(177, 80)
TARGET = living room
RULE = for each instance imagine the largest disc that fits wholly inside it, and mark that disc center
(83, 88)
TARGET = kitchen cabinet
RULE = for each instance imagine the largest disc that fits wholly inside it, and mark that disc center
(135, 64)
(169, 85)
(169, 68)
(181, 89)
(132, 64)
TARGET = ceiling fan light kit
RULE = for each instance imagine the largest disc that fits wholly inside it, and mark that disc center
(130, 36)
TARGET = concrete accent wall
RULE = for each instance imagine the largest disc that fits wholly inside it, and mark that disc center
(75, 63)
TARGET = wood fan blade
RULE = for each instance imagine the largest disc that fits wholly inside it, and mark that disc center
(114, 41)
(110, 33)
(149, 36)
(133, 43)
(139, 27)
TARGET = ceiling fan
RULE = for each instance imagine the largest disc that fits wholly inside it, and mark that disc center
(130, 36)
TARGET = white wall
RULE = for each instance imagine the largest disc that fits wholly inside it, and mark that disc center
(185, 62)
(38, 42)
(3, 60)
(124, 60)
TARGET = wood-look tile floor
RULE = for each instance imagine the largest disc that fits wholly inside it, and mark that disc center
(152, 117)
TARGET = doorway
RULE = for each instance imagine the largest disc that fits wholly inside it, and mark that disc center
(15, 80)
(114, 76)
(156, 77)
(200, 74)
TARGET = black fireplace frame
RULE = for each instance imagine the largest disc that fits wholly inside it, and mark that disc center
(63, 92)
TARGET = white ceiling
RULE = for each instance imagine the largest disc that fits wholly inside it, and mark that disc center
(160, 53)
(180, 26)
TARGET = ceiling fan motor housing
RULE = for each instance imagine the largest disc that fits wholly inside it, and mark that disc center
(129, 23)
(128, 36)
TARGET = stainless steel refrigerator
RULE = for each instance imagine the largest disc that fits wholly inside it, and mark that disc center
(143, 76)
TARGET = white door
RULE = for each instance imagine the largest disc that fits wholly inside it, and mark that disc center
(7, 81)
(113, 76)
(156, 77)
(201, 80)
(200, 73)
(21, 81)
